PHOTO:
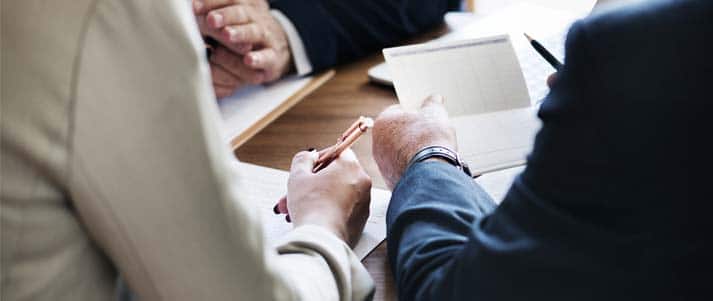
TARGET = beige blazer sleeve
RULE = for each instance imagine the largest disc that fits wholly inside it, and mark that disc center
(152, 178)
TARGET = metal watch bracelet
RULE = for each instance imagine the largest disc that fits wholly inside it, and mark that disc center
(442, 152)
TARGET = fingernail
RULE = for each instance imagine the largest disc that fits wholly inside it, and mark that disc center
(288, 219)
(217, 20)
(197, 6)
(232, 34)
(275, 210)
(253, 59)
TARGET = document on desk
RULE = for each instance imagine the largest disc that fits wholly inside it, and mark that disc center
(485, 94)
(267, 185)
(547, 25)
(252, 108)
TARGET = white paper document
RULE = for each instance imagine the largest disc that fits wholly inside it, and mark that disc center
(497, 183)
(250, 105)
(485, 94)
(474, 76)
(266, 186)
(549, 26)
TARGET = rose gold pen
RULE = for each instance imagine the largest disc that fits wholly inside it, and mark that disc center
(350, 136)
(327, 155)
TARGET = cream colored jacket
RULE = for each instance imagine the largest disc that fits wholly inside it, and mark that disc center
(112, 162)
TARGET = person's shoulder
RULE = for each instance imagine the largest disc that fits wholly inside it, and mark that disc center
(639, 17)
(637, 33)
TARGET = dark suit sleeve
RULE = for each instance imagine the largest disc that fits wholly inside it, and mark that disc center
(335, 32)
(442, 246)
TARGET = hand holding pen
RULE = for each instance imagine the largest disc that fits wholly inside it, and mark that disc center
(547, 55)
(319, 165)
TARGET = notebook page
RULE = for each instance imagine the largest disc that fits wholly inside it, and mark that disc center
(474, 76)
(493, 141)
(549, 26)
(497, 184)
(266, 186)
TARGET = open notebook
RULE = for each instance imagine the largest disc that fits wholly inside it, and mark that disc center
(547, 25)
(491, 78)
(267, 185)
(485, 93)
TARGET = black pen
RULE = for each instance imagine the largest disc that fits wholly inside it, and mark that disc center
(544, 53)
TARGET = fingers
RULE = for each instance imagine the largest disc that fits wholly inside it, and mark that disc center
(261, 59)
(281, 207)
(551, 80)
(347, 161)
(221, 91)
(348, 156)
(303, 162)
(251, 33)
(433, 107)
(233, 63)
(224, 83)
(222, 77)
(432, 100)
(230, 15)
(203, 6)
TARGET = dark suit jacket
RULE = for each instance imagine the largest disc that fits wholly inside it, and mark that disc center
(615, 202)
(337, 31)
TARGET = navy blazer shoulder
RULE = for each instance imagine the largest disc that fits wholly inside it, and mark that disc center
(615, 202)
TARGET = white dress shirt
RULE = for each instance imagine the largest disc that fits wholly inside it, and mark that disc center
(297, 47)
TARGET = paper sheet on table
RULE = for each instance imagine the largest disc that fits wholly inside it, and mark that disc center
(497, 183)
(267, 185)
(248, 106)
(485, 94)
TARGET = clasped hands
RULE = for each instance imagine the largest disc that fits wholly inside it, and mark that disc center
(253, 48)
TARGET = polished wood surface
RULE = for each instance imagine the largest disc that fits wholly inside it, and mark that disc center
(316, 82)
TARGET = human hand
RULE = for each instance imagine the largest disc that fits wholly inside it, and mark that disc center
(336, 197)
(398, 135)
(219, 19)
(551, 80)
(229, 73)
(248, 29)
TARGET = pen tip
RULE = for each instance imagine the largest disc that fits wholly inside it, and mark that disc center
(528, 37)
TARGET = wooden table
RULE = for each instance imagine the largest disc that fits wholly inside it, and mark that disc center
(317, 121)
(322, 116)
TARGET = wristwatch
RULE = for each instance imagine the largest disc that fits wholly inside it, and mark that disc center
(444, 153)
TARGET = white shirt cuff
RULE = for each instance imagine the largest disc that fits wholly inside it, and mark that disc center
(299, 55)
